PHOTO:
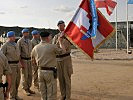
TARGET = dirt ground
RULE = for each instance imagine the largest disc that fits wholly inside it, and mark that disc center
(98, 80)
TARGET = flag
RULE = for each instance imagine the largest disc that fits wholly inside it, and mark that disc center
(80, 24)
(130, 1)
(108, 4)
(92, 28)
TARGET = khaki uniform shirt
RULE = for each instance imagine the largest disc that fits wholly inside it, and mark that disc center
(11, 51)
(25, 47)
(65, 42)
(34, 42)
(45, 54)
(4, 66)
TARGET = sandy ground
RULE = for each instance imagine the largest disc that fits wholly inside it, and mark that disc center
(98, 80)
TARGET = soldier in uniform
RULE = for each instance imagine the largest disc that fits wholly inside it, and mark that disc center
(35, 40)
(4, 70)
(25, 47)
(11, 51)
(44, 55)
(64, 63)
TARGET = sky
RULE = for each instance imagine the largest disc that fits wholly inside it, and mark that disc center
(46, 13)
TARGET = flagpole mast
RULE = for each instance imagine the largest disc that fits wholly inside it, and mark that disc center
(116, 27)
(127, 28)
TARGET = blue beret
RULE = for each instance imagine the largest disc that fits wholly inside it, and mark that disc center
(35, 32)
(25, 30)
(60, 22)
(10, 34)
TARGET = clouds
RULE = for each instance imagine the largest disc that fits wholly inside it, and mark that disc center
(46, 13)
(24, 7)
(63, 8)
(2, 13)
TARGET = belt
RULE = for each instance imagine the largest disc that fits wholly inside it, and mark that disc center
(26, 58)
(48, 68)
(4, 85)
(51, 69)
(1, 85)
(13, 62)
(64, 55)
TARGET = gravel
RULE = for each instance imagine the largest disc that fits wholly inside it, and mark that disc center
(105, 54)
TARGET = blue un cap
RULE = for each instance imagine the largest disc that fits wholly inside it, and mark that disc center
(35, 32)
(10, 34)
(25, 30)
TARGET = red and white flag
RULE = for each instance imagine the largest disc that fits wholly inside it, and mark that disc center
(108, 4)
(81, 23)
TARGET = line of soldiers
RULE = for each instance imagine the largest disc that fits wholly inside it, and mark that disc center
(47, 61)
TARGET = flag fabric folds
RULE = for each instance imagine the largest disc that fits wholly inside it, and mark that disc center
(108, 4)
(80, 24)
(130, 1)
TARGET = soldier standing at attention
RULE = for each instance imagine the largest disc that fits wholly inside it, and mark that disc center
(25, 47)
(11, 51)
(35, 40)
(44, 56)
(64, 63)
(4, 70)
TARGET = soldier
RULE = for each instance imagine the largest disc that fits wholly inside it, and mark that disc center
(44, 55)
(25, 47)
(64, 63)
(4, 70)
(35, 40)
(11, 51)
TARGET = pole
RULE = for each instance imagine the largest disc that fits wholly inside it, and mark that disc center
(127, 28)
(116, 27)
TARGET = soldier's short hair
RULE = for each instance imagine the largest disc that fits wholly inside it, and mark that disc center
(44, 34)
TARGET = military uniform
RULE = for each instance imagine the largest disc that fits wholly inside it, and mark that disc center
(11, 51)
(45, 57)
(25, 47)
(35, 68)
(4, 70)
(64, 67)
(35, 42)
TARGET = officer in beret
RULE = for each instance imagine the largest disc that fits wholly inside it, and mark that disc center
(11, 51)
(25, 47)
(35, 40)
(64, 63)
(44, 56)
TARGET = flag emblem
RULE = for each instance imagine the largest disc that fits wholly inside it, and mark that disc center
(76, 30)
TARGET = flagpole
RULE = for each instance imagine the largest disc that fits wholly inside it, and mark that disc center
(127, 28)
(116, 26)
